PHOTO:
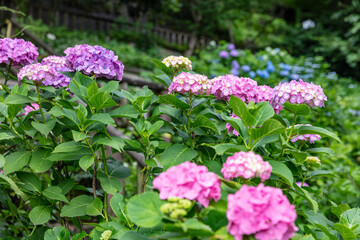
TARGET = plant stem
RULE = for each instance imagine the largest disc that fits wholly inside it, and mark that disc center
(188, 129)
(292, 129)
(39, 100)
(94, 177)
(105, 193)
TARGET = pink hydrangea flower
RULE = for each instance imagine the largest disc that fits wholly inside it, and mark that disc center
(60, 65)
(246, 165)
(38, 73)
(187, 82)
(95, 60)
(263, 93)
(306, 137)
(230, 129)
(33, 107)
(189, 181)
(300, 184)
(177, 63)
(19, 51)
(226, 86)
(262, 211)
(297, 92)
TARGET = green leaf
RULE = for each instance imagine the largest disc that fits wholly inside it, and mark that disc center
(44, 128)
(14, 187)
(39, 215)
(240, 110)
(95, 208)
(321, 173)
(298, 109)
(144, 210)
(174, 101)
(69, 147)
(78, 136)
(264, 112)
(104, 118)
(176, 154)
(282, 171)
(118, 170)
(197, 228)
(55, 193)
(76, 207)
(222, 234)
(155, 127)
(222, 148)
(345, 232)
(318, 130)
(351, 219)
(17, 99)
(162, 67)
(110, 87)
(31, 181)
(203, 122)
(214, 166)
(92, 89)
(2, 161)
(164, 79)
(321, 150)
(339, 209)
(110, 184)
(270, 127)
(118, 205)
(116, 143)
(57, 233)
(126, 111)
(102, 100)
(86, 161)
(266, 140)
(307, 197)
(299, 156)
(5, 136)
(321, 222)
(79, 236)
(16, 161)
(66, 185)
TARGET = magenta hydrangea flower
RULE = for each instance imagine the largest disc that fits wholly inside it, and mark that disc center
(177, 63)
(225, 86)
(38, 73)
(60, 64)
(263, 93)
(300, 184)
(297, 92)
(33, 107)
(19, 51)
(95, 60)
(305, 137)
(187, 82)
(189, 181)
(261, 211)
(230, 129)
(246, 165)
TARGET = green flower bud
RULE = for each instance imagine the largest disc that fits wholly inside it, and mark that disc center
(173, 199)
(106, 235)
(313, 160)
(166, 208)
(178, 213)
(184, 203)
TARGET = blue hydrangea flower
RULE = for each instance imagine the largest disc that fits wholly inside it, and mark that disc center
(245, 68)
(270, 67)
(223, 54)
(263, 73)
(235, 64)
(294, 76)
(252, 74)
(284, 73)
(285, 67)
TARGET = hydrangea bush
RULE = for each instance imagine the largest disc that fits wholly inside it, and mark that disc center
(221, 160)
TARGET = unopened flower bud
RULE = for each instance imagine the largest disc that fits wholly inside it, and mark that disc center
(166, 208)
(178, 213)
(173, 199)
(184, 203)
(313, 160)
(106, 235)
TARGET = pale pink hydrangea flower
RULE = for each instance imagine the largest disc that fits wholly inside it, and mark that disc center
(305, 137)
(189, 181)
(177, 63)
(190, 83)
(246, 165)
(33, 107)
(19, 51)
(226, 86)
(263, 93)
(60, 64)
(38, 73)
(261, 211)
(297, 92)
(230, 129)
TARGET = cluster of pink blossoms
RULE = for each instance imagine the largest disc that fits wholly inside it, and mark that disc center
(95, 60)
(246, 165)
(177, 63)
(38, 73)
(33, 107)
(19, 51)
(226, 86)
(60, 65)
(306, 137)
(263, 93)
(297, 92)
(262, 211)
(187, 82)
(189, 181)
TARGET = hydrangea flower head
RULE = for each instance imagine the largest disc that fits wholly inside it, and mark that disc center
(187, 82)
(177, 63)
(297, 92)
(245, 68)
(60, 64)
(234, 53)
(189, 181)
(33, 107)
(306, 137)
(262, 211)
(246, 165)
(231, 46)
(263, 93)
(19, 51)
(38, 73)
(95, 60)
(223, 54)
(226, 86)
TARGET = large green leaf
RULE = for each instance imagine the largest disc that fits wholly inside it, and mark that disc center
(70, 147)
(270, 127)
(144, 209)
(263, 113)
(17, 99)
(176, 154)
(318, 130)
(5, 136)
(44, 128)
(127, 111)
(102, 100)
(14, 187)
(162, 67)
(155, 127)
(110, 184)
(222, 148)
(351, 219)
(174, 101)
(203, 122)
(95, 207)
(116, 143)
(298, 109)
(86, 161)
(55, 193)
(76, 207)
(39, 215)
(321, 150)
(16, 161)
(240, 110)
(118, 205)
(31, 181)
(104, 118)
(345, 232)
(307, 197)
(110, 87)
(282, 171)
(57, 233)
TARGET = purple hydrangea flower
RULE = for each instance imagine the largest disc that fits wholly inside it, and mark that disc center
(19, 51)
(60, 65)
(294, 76)
(246, 68)
(95, 60)
(231, 47)
(284, 73)
(223, 54)
(235, 72)
(234, 53)
(300, 184)
(38, 73)
(235, 64)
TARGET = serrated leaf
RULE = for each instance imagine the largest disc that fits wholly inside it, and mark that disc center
(155, 127)
(345, 232)
(55, 193)
(104, 118)
(318, 130)
(126, 111)
(116, 142)
(95, 207)
(69, 147)
(76, 207)
(78, 136)
(16, 161)
(174, 101)
(162, 67)
(264, 112)
(110, 184)
(31, 181)
(282, 171)
(270, 127)
(321, 150)
(102, 100)
(86, 161)
(298, 109)
(176, 154)
(240, 109)
(222, 148)
(351, 219)
(39, 215)
(44, 128)
(14, 187)
(17, 99)
(118, 205)
(203, 122)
